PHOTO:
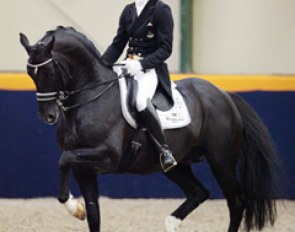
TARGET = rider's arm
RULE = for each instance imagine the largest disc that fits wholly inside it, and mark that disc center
(115, 50)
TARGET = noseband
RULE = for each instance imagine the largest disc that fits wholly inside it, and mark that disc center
(61, 96)
(36, 66)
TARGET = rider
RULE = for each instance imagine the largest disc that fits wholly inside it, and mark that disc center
(147, 27)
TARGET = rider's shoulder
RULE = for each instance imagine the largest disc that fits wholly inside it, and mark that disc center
(128, 9)
(130, 6)
(162, 6)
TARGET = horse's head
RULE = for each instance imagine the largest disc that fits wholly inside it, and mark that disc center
(41, 67)
(61, 63)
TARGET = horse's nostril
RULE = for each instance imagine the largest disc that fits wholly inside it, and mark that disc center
(50, 118)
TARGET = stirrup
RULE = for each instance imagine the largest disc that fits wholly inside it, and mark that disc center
(167, 161)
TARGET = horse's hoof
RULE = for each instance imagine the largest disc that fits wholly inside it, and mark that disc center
(80, 212)
(172, 223)
(75, 208)
(63, 199)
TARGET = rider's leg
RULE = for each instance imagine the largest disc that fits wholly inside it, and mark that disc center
(147, 84)
(150, 120)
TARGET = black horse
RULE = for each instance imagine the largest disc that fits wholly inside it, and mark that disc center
(76, 91)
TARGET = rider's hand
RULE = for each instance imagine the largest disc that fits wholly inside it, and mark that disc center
(133, 67)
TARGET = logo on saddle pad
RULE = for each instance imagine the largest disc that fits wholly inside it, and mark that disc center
(177, 117)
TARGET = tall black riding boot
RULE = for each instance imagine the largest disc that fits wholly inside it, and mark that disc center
(152, 124)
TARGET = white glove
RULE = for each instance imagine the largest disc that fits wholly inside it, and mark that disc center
(133, 67)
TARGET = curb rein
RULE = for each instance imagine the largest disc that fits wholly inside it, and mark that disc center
(61, 96)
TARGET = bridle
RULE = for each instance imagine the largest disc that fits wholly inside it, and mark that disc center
(48, 96)
(61, 95)
(36, 66)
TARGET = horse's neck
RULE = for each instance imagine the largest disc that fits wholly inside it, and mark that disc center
(96, 80)
(87, 74)
(82, 64)
(105, 111)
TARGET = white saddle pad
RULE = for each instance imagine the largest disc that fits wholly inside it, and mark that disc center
(177, 117)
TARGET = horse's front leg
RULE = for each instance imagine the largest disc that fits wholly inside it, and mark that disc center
(64, 190)
(65, 162)
(87, 182)
(74, 207)
(81, 159)
(87, 157)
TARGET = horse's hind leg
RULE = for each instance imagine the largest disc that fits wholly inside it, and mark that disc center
(224, 170)
(195, 193)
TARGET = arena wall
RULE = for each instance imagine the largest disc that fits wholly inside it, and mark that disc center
(97, 19)
(244, 37)
(29, 153)
(230, 37)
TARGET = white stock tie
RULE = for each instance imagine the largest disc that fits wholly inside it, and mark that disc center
(140, 4)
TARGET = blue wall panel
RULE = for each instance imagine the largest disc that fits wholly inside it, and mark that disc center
(29, 153)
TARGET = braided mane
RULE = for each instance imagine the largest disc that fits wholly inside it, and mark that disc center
(78, 35)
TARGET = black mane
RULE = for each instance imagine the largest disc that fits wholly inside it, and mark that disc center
(78, 35)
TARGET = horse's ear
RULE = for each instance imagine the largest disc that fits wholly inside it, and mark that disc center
(49, 44)
(25, 42)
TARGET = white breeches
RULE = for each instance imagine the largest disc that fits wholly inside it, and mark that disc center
(147, 85)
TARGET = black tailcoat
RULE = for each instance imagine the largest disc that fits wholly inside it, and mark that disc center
(150, 36)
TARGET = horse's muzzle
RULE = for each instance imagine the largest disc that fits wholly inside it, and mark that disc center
(49, 118)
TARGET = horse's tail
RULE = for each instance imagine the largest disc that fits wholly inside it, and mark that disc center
(259, 166)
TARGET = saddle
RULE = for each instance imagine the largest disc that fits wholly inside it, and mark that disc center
(177, 117)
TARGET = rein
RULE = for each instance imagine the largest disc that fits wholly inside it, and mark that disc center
(61, 96)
